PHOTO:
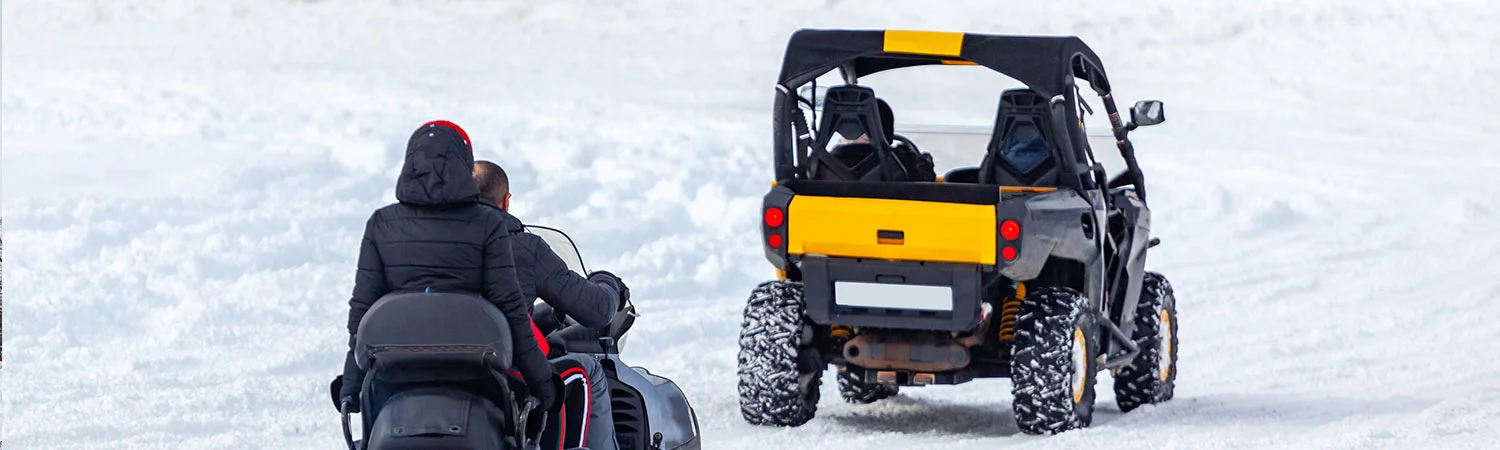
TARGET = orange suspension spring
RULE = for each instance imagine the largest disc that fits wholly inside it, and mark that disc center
(1008, 312)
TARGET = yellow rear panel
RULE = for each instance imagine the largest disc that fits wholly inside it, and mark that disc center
(930, 231)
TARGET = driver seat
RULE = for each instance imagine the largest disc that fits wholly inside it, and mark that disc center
(851, 111)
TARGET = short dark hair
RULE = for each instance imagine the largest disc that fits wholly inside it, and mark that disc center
(492, 181)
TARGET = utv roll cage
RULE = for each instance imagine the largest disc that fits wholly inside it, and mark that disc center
(1047, 65)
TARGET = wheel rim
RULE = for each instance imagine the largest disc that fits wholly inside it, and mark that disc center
(1164, 335)
(1080, 364)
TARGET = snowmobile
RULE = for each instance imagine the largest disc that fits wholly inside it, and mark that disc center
(1028, 266)
(650, 411)
(437, 376)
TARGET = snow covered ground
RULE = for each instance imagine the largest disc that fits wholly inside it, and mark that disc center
(184, 183)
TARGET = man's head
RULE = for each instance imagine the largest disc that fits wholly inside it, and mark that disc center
(493, 184)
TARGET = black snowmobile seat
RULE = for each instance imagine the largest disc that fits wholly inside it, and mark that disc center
(419, 337)
(852, 111)
(1020, 152)
(440, 375)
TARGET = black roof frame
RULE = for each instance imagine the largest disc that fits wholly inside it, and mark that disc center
(1045, 64)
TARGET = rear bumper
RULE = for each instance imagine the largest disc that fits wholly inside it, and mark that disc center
(822, 275)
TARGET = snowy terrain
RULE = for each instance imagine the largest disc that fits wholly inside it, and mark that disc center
(184, 184)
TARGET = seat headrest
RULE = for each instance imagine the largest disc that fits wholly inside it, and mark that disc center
(850, 111)
(1022, 98)
(1022, 143)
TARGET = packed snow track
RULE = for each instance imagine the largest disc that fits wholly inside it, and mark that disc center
(185, 182)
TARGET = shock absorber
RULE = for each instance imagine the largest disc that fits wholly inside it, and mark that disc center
(838, 335)
(1008, 312)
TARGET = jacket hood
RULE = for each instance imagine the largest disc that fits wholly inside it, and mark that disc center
(439, 167)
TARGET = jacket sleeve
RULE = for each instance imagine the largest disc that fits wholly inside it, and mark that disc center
(591, 303)
(369, 278)
(369, 285)
(502, 289)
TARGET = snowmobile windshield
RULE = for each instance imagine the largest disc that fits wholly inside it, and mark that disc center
(562, 245)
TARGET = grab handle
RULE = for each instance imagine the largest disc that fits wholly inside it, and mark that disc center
(348, 435)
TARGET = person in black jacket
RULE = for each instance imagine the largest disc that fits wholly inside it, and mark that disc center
(441, 237)
(592, 301)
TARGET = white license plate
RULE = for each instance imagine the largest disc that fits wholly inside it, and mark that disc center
(893, 296)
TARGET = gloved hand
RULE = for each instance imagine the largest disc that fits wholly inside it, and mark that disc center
(548, 393)
(336, 391)
(556, 344)
(352, 400)
(351, 382)
(624, 290)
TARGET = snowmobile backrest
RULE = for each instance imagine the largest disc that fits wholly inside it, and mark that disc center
(1022, 149)
(851, 111)
(422, 336)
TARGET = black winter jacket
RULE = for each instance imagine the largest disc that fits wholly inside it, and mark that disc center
(442, 236)
(591, 301)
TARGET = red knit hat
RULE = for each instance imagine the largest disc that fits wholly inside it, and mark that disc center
(455, 127)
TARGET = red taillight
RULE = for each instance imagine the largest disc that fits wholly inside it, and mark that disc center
(1009, 253)
(774, 240)
(1010, 230)
(774, 217)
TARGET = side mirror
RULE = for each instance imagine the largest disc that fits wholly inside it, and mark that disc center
(1147, 112)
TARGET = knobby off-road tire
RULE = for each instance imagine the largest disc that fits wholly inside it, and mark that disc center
(1054, 361)
(855, 390)
(779, 374)
(1152, 376)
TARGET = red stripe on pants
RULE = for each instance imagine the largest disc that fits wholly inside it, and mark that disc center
(588, 399)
